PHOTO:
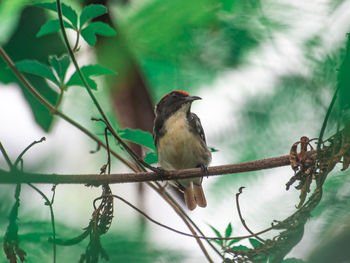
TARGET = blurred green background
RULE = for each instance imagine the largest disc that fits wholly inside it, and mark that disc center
(266, 71)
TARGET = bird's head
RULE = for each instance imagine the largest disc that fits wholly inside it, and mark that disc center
(173, 102)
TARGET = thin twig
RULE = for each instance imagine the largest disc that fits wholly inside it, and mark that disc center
(108, 152)
(19, 158)
(77, 68)
(183, 233)
(241, 217)
(47, 202)
(75, 48)
(7, 158)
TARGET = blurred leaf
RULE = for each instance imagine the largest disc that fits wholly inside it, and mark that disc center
(52, 26)
(36, 68)
(228, 230)
(344, 83)
(34, 49)
(293, 260)
(60, 65)
(67, 11)
(240, 248)
(254, 242)
(151, 158)
(91, 11)
(139, 137)
(120, 247)
(96, 28)
(88, 71)
(9, 14)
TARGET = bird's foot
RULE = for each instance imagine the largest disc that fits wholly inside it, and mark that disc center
(204, 170)
(163, 174)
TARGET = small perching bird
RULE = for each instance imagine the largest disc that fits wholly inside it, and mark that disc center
(180, 141)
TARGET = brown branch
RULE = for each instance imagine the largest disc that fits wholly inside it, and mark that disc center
(96, 179)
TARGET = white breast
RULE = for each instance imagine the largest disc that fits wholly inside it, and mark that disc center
(179, 148)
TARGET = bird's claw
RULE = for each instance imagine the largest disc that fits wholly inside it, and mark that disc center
(161, 172)
(204, 170)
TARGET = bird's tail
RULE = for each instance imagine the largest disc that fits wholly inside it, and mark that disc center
(194, 196)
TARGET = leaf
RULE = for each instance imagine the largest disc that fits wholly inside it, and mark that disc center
(97, 28)
(240, 248)
(67, 11)
(216, 231)
(304, 190)
(213, 150)
(60, 65)
(151, 158)
(52, 26)
(254, 242)
(90, 12)
(220, 242)
(36, 68)
(88, 71)
(228, 230)
(31, 20)
(138, 136)
(233, 241)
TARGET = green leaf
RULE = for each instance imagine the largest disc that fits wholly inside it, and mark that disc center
(60, 65)
(36, 68)
(220, 242)
(90, 12)
(213, 150)
(97, 28)
(31, 20)
(228, 230)
(254, 242)
(216, 231)
(52, 26)
(233, 241)
(151, 158)
(240, 248)
(67, 11)
(88, 71)
(138, 136)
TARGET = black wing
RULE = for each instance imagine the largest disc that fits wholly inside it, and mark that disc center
(196, 126)
(158, 130)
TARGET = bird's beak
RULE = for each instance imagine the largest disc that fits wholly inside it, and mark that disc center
(192, 98)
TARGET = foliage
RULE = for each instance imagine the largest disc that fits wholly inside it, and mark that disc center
(39, 50)
(87, 31)
(192, 45)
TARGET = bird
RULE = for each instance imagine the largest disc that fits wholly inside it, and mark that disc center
(180, 142)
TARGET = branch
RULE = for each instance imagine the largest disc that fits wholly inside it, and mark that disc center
(96, 179)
